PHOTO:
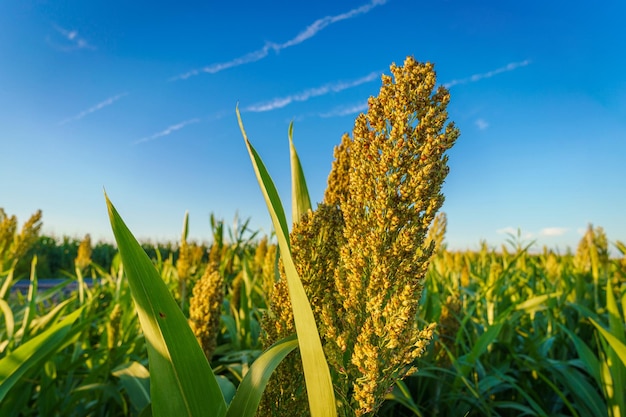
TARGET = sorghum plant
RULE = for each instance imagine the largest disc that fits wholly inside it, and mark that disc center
(363, 253)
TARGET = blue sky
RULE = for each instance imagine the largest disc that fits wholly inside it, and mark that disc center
(140, 98)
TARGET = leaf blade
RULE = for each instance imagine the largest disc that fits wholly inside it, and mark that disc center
(251, 388)
(317, 375)
(301, 202)
(182, 382)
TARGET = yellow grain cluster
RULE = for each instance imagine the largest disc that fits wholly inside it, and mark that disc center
(14, 245)
(592, 251)
(205, 307)
(437, 232)
(113, 327)
(362, 254)
(83, 259)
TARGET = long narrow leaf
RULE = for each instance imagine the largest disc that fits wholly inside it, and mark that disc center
(317, 375)
(251, 388)
(616, 328)
(301, 202)
(27, 356)
(587, 356)
(483, 342)
(181, 380)
(135, 378)
(9, 320)
(29, 311)
(614, 342)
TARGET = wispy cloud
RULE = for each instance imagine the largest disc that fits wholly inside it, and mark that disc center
(515, 233)
(477, 77)
(345, 110)
(309, 32)
(481, 124)
(553, 231)
(545, 232)
(336, 87)
(167, 131)
(70, 40)
(507, 231)
(93, 109)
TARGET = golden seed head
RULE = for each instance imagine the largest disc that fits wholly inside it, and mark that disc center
(205, 307)
(363, 254)
(83, 259)
(14, 245)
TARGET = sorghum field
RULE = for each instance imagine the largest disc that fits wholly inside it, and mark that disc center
(358, 310)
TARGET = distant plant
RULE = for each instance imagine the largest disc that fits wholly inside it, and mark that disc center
(13, 244)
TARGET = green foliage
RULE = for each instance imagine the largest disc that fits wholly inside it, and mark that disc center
(516, 336)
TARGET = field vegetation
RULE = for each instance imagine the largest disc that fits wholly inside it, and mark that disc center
(359, 309)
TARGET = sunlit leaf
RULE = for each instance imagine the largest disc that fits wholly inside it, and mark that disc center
(317, 375)
(181, 380)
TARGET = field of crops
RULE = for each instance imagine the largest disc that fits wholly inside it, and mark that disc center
(358, 310)
(517, 334)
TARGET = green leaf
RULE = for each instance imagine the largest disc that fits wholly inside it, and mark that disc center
(185, 227)
(181, 380)
(483, 342)
(135, 379)
(614, 342)
(26, 358)
(251, 388)
(29, 311)
(616, 324)
(536, 303)
(586, 355)
(316, 373)
(9, 320)
(227, 387)
(402, 395)
(301, 202)
(581, 390)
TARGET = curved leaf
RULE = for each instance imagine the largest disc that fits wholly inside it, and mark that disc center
(301, 202)
(27, 356)
(251, 388)
(181, 380)
(316, 373)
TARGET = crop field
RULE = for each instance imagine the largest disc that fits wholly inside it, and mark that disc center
(517, 333)
(358, 309)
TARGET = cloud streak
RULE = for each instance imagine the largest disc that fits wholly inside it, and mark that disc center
(309, 32)
(93, 109)
(346, 110)
(482, 124)
(167, 131)
(336, 87)
(72, 41)
(553, 231)
(477, 77)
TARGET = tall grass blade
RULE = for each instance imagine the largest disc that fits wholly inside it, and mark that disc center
(251, 388)
(181, 380)
(28, 356)
(301, 202)
(8, 282)
(135, 378)
(483, 342)
(586, 355)
(617, 345)
(402, 395)
(317, 375)
(29, 312)
(9, 320)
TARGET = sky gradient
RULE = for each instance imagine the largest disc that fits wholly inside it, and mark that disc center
(140, 99)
